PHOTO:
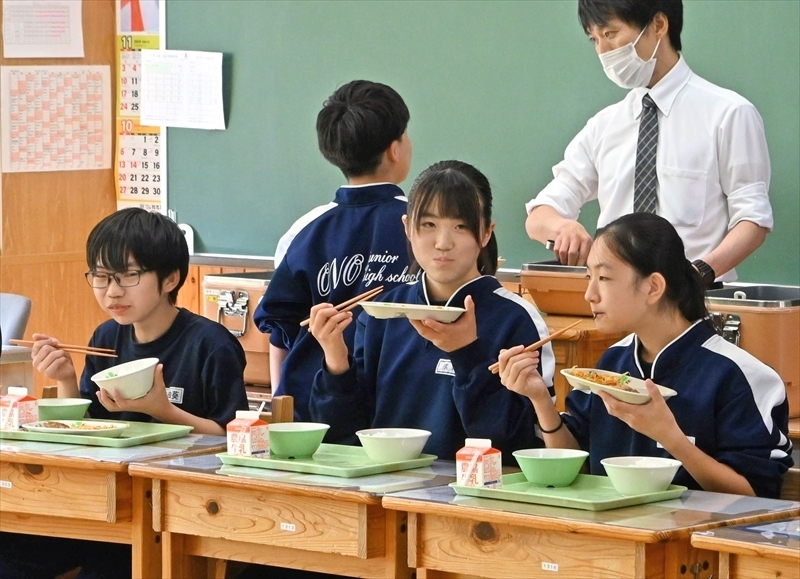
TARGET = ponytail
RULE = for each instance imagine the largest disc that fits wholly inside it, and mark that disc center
(690, 298)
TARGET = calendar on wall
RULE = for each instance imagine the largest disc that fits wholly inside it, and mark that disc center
(140, 156)
(139, 164)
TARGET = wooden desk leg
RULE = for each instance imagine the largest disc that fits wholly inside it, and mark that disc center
(397, 545)
(176, 563)
(683, 560)
(724, 565)
(145, 542)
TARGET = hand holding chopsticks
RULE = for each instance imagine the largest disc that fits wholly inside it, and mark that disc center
(87, 350)
(495, 368)
(352, 302)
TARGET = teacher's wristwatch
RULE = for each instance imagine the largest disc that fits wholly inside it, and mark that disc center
(706, 272)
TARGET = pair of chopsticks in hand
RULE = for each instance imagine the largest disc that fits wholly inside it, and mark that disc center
(495, 368)
(351, 303)
(87, 350)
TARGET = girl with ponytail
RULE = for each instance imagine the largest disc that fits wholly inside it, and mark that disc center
(728, 422)
(426, 374)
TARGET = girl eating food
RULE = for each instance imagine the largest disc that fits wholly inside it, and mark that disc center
(426, 374)
(728, 421)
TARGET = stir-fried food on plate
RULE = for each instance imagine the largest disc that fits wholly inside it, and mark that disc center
(76, 425)
(604, 379)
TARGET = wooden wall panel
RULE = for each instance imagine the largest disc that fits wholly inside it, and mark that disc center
(47, 216)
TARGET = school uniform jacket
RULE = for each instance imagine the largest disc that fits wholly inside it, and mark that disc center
(733, 406)
(335, 252)
(399, 379)
(203, 367)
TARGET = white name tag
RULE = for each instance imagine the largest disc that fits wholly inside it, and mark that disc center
(689, 438)
(445, 367)
(175, 395)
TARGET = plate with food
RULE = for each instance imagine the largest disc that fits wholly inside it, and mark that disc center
(620, 386)
(87, 427)
(386, 310)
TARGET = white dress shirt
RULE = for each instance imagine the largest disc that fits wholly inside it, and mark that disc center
(712, 162)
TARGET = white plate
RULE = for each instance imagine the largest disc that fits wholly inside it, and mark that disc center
(639, 397)
(385, 310)
(85, 427)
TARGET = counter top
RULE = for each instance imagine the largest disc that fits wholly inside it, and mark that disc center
(12, 354)
(224, 260)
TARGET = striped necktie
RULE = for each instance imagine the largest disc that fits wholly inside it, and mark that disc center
(645, 178)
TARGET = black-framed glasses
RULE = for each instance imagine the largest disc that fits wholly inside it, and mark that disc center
(129, 278)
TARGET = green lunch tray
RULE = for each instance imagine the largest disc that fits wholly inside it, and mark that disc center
(331, 459)
(136, 434)
(588, 492)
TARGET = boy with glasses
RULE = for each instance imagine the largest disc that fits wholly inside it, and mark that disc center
(138, 261)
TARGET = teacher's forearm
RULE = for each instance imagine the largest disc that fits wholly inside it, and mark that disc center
(738, 244)
(543, 223)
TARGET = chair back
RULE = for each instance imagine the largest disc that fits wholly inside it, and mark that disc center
(281, 410)
(14, 313)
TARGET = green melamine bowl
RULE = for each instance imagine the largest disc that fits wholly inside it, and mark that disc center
(295, 439)
(550, 467)
(62, 408)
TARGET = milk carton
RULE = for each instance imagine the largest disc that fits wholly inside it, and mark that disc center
(17, 407)
(248, 435)
(478, 464)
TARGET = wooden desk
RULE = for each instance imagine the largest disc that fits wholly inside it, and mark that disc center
(755, 551)
(453, 536)
(284, 519)
(794, 429)
(16, 368)
(581, 346)
(85, 492)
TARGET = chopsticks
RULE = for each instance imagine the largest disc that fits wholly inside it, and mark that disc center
(352, 302)
(87, 350)
(495, 368)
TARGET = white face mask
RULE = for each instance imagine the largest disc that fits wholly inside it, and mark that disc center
(625, 67)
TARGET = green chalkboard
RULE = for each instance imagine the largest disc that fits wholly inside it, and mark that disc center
(502, 85)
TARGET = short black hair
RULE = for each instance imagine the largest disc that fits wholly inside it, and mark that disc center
(357, 124)
(153, 240)
(637, 13)
(457, 190)
(649, 243)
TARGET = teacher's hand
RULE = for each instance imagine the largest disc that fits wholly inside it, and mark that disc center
(572, 243)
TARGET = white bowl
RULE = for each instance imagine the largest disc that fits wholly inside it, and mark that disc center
(130, 380)
(638, 475)
(393, 444)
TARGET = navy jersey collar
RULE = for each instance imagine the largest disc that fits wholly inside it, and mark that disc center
(673, 354)
(456, 300)
(367, 194)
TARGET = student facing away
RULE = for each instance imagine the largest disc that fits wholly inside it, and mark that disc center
(353, 244)
(137, 261)
(426, 374)
(728, 422)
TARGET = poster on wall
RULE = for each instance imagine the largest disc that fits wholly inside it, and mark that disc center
(141, 152)
(55, 118)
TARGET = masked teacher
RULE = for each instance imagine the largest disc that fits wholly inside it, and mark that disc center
(676, 145)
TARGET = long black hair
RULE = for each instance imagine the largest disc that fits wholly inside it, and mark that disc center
(650, 244)
(457, 190)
